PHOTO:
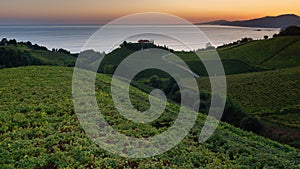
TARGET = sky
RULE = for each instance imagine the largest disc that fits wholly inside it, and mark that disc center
(103, 11)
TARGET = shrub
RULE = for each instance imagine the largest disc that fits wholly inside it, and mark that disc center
(266, 37)
(155, 81)
(251, 124)
(108, 69)
(290, 31)
(233, 112)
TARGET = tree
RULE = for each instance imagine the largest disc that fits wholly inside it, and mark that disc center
(290, 31)
(209, 46)
(12, 42)
(266, 37)
(108, 69)
(28, 43)
(3, 42)
(155, 81)
(251, 124)
(244, 40)
(124, 44)
(64, 51)
(233, 112)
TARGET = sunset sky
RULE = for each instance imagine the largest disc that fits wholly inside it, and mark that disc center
(102, 11)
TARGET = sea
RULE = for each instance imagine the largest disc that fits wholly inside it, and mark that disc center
(75, 37)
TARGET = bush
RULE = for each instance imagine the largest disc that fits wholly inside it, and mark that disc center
(251, 124)
(233, 112)
(155, 81)
(290, 31)
(108, 69)
(266, 37)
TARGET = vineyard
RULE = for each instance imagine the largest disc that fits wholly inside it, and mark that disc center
(39, 129)
(273, 96)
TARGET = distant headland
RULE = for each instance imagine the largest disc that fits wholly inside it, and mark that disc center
(281, 21)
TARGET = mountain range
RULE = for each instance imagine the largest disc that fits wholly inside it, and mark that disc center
(281, 21)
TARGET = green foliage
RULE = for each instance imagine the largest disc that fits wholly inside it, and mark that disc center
(114, 58)
(233, 113)
(38, 129)
(12, 58)
(13, 54)
(279, 52)
(155, 81)
(290, 31)
(244, 56)
(273, 96)
(231, 66)
(108, 69)
(5, 42)
(250, 56)
(251, 124)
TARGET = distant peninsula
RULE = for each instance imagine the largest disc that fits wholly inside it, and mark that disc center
(281, 21)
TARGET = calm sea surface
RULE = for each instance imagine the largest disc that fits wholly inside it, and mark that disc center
(73, 37)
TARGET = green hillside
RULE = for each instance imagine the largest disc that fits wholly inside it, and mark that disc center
(257, 55)
(273, 96)
(275, 53)
(231, 66)
(23, 54)
(38, 129)
(252, 56)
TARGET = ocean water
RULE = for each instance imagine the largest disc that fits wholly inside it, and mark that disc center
(73, 37)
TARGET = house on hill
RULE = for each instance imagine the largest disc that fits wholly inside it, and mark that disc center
(143, 41)
(145, 44)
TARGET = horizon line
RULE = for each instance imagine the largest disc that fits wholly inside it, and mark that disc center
(24, 22)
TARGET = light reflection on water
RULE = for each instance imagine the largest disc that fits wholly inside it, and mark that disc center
(73, 37)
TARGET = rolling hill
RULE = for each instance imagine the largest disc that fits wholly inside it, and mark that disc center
(23, 54)
(272, 96)
(252, 56)
(281, 21)
(257, 55)
(38, 129)
(275, 53)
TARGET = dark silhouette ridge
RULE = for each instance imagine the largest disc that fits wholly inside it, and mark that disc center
(281, 21)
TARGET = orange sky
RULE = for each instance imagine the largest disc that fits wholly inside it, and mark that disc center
(101, 11)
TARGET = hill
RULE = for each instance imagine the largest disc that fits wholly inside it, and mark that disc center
(13, 54)
(231, 65)
(255, 55)
(217, 22)
(273, 97)
(275, 53)
(239, 57)
(38, 129)
(280, 21)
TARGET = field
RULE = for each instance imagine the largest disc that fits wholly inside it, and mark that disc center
(275, 53)
(258, 55)
(273, 96)
(38, 129)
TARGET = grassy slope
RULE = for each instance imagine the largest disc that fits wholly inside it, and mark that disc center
(273, 53)
(46, 57)
(38, 128)
(271, 95)
(116, 56)
(231, 66)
